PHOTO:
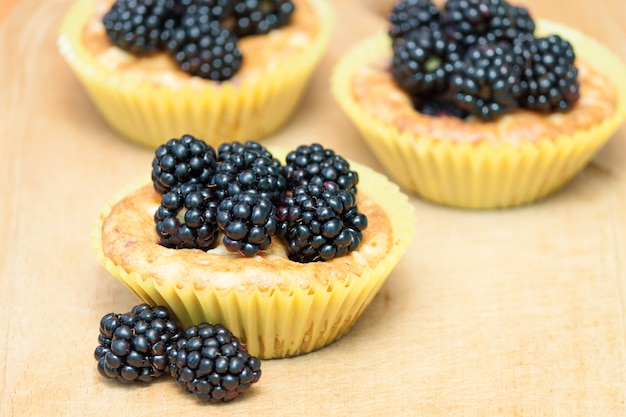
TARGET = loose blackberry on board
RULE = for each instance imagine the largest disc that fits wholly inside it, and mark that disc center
(210, 362)
(134, 346)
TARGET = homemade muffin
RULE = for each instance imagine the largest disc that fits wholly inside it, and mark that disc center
(279, 307)
(515, 159)
(146, 98)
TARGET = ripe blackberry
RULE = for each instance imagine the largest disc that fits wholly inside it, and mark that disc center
(319, 223)
(248, 222)
(210, 362)
(439, 105)
(409, 15)
(187, 217)
(549, 77)
(508, 23)
(214, 10)
(201, 46)
(137, 25)
(484, 21)
(422, 61)
(227, 148)
(182, 160)
(465, 21)
(134, 346)
(487, 83)
(249, 170)
(254, 17)
(314, 164)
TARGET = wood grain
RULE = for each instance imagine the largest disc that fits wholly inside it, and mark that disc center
(498, 313)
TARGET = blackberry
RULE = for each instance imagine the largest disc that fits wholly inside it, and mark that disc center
(227, 148)
(487, 83)
(422, 61)
(409, 15)
(137, 26)
(509, 23)
(249, 170)
(248, 222)
(210, 362)
(319, 223)
(134, 346)
(549, 77)
(182, 160)
(203, 47)
(465, 21)
(484, 21)
(197, 206)
(314, 164)
(439, 105)
(254, 17)
(214, 10)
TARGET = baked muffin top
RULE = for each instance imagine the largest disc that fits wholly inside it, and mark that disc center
(129, 240)
(376, 91)
(262, 53)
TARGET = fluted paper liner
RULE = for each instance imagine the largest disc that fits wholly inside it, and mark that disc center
(279, 322)
(217, 111)
(481, 175)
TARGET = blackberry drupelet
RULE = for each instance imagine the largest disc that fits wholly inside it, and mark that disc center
(137, 26)
(134, 346)
(202, 46)
(182, 160)
(549, 77)
(253, 17)
(248, 222)
(422, 61)
(210, 362)
(487, 83)
(319, 223)
(187, 217)
(409, 15)
(314, 164)
(249, 170)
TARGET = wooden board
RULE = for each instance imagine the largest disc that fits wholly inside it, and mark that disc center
(500, 313)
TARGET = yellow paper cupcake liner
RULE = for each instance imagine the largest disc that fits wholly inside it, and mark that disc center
(279, 322)
(480, 175)
(243, 110)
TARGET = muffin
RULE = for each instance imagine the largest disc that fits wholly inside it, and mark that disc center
(278, 306)
(515, 158)
(148, 97)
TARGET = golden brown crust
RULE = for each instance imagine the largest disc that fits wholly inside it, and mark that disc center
(130, 241)
(261, 52)
(375, 90)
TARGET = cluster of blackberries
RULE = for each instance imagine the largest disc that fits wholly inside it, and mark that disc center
(146, 342)
(200, 35)
(246, 195)
(480, 58)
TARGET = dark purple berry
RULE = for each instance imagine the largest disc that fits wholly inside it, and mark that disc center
(134, 346)
(210, 362)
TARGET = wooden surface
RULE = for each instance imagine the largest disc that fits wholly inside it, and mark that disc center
(509, 313)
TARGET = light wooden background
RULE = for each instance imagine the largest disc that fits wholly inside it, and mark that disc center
(501, 313)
